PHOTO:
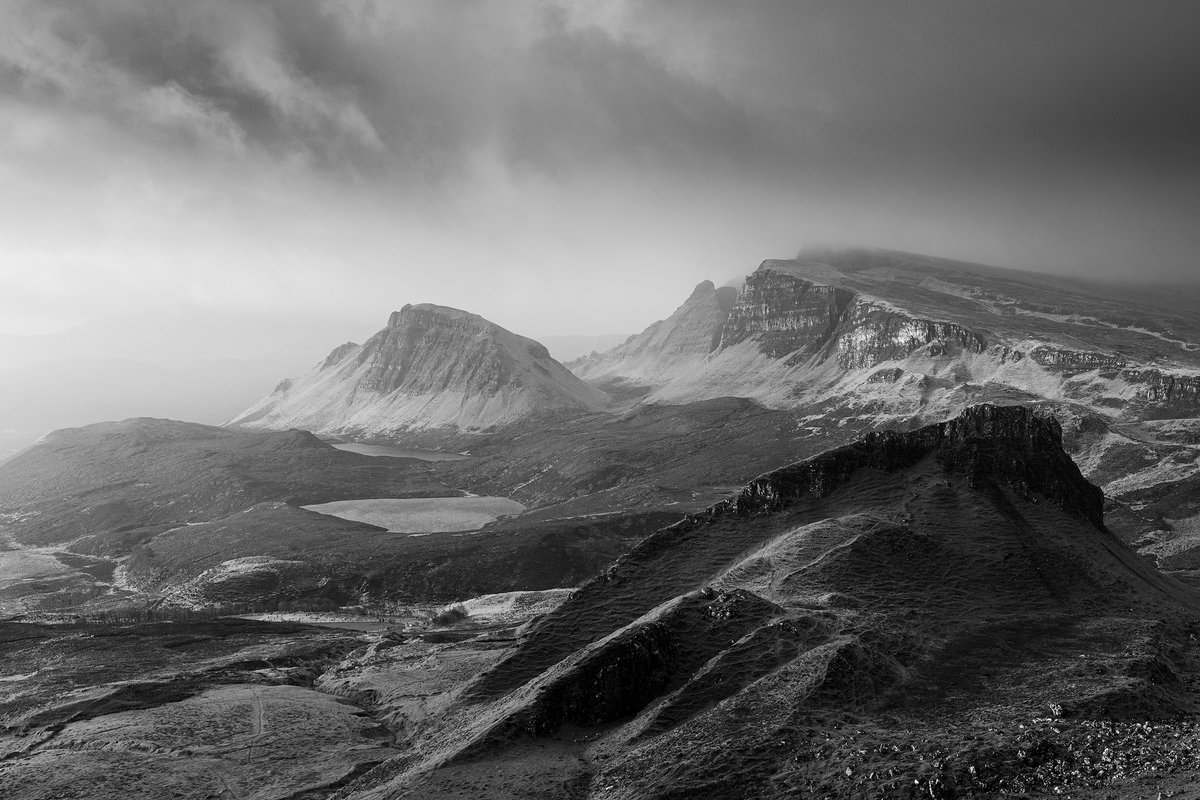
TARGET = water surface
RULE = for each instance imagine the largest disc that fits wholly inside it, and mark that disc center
(397, 452)
(423, 514)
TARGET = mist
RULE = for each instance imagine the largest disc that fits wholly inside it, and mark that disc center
(562, 170)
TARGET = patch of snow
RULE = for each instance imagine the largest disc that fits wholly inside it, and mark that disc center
(18, 677)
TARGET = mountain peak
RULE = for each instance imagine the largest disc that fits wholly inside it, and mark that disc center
(410, 311)
(431, 367)
(668, 348)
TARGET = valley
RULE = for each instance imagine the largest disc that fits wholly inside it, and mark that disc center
(872, 524)
(616, 400)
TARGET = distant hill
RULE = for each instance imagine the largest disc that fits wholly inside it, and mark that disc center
(431, 368)
(203, 367)
(154, 510)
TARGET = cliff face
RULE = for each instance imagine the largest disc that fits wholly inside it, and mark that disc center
(908, 336)
(1074, 360)
(1008, 444)
(1157, 387)
(784, 315)
(432, 367)
(430, 348)
(668, 348)
(790, 317)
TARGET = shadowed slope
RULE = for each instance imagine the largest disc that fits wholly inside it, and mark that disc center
(928, 581)
(987, 447)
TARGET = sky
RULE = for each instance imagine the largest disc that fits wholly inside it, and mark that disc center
(570, 167)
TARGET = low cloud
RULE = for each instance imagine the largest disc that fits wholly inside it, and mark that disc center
(286, 152)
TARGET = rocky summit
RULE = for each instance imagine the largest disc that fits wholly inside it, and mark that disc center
(432, 368)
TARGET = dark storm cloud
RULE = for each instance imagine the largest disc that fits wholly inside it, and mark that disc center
(1117, 73)
(1058, 134)
(408, 86)
(1070, 127)
(787, 85)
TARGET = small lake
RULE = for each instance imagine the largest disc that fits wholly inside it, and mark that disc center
(397, 452)
(423, 514)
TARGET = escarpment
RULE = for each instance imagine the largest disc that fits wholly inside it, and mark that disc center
(882, 335)
(1008, 444)
(1157, 387)
(798, 319)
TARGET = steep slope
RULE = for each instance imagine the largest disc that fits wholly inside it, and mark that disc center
(911, 334)
(884, 619)
(431, 368)
(855, 340)
(668, 349)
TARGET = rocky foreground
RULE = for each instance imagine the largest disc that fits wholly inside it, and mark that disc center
(939, 613)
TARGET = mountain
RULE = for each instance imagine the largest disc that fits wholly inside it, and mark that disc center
(62, 393)
(855, 340)
(901, 334)
(937, 613)
(671, 348)
(431, 368)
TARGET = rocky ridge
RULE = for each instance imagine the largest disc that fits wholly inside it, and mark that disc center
(1011, 444)
(888, 617)
(817, 328)
(669, 348)
(857, 340)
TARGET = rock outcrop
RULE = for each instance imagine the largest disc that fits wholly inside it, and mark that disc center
(910, 336)
(832, 618)
(1157, 387)
(431, 368)
(1009, 444)
(794, 318)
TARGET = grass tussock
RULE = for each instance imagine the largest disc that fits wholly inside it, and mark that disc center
(451, 615)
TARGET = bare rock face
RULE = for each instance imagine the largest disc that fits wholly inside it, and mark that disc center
(785, 315)
(794, 318)
(1009, 444)
(432, 367)
(1074, 360)
(857, 340)
(914, 337)
(1158, 387)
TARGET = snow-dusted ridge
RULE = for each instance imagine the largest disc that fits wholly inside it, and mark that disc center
(913, 335)
(432, 367)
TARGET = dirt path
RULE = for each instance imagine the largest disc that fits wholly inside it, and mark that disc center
(257, 723)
